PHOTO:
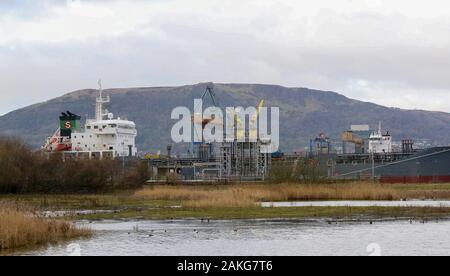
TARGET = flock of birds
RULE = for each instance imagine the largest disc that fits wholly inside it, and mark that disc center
(152, 232)
(196, 231)
(371, 222)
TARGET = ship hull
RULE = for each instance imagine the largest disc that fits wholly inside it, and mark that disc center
(429, 166)
(415, 179)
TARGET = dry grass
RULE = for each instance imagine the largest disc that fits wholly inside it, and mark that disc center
(249, 195)
(358, 191)
(423, 191)
(20, 227)
(198, 196)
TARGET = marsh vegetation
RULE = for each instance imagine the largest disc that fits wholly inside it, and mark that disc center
(23, 226)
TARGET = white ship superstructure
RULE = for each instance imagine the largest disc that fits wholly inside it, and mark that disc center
(105, 136)
(379, 142)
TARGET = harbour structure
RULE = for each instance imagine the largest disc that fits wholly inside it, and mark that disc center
(235, 160)
(407, 146)
(244, 157)
(356, 139)
(381, 162)
(361, 140)
(244, 160)
(102, 137)
(320, 145)
(202, 150)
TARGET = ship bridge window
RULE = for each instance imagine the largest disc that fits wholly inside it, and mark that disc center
(95, 127)
(126, 126)
(113, 125)
(104, 126)
(88, 127)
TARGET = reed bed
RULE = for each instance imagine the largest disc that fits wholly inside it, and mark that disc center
(198, 197)
(249, 195)
(21, 226)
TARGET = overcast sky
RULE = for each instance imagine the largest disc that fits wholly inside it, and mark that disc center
(392, 52)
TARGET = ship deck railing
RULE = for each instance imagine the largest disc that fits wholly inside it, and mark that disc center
(365, 158)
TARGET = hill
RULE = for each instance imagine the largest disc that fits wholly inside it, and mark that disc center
(304, 113)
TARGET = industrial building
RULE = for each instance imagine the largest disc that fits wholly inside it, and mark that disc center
(356, 140)
(238, 160)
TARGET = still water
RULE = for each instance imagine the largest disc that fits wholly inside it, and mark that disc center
(360, 203)
(259, 237)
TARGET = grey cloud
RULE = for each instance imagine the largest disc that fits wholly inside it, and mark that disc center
(390, 59)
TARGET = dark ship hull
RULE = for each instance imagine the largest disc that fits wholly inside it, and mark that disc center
(428, 166)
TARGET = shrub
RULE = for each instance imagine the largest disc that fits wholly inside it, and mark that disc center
(25, 171)
(300, 171)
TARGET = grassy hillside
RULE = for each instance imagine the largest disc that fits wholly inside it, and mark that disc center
(304, 113)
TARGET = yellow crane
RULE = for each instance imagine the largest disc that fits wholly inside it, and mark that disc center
(240, 130)
(253, 129)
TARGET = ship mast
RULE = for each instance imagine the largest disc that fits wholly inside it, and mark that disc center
(100, 113)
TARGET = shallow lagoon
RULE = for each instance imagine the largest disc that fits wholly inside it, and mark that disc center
(259, 237)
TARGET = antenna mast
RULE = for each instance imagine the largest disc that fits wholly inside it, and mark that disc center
(99, 111)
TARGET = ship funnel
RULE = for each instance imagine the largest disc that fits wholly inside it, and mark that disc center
(68, 123)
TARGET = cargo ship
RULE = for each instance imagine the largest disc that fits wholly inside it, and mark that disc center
(374, 157)
(428, 166)
(102, 137)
